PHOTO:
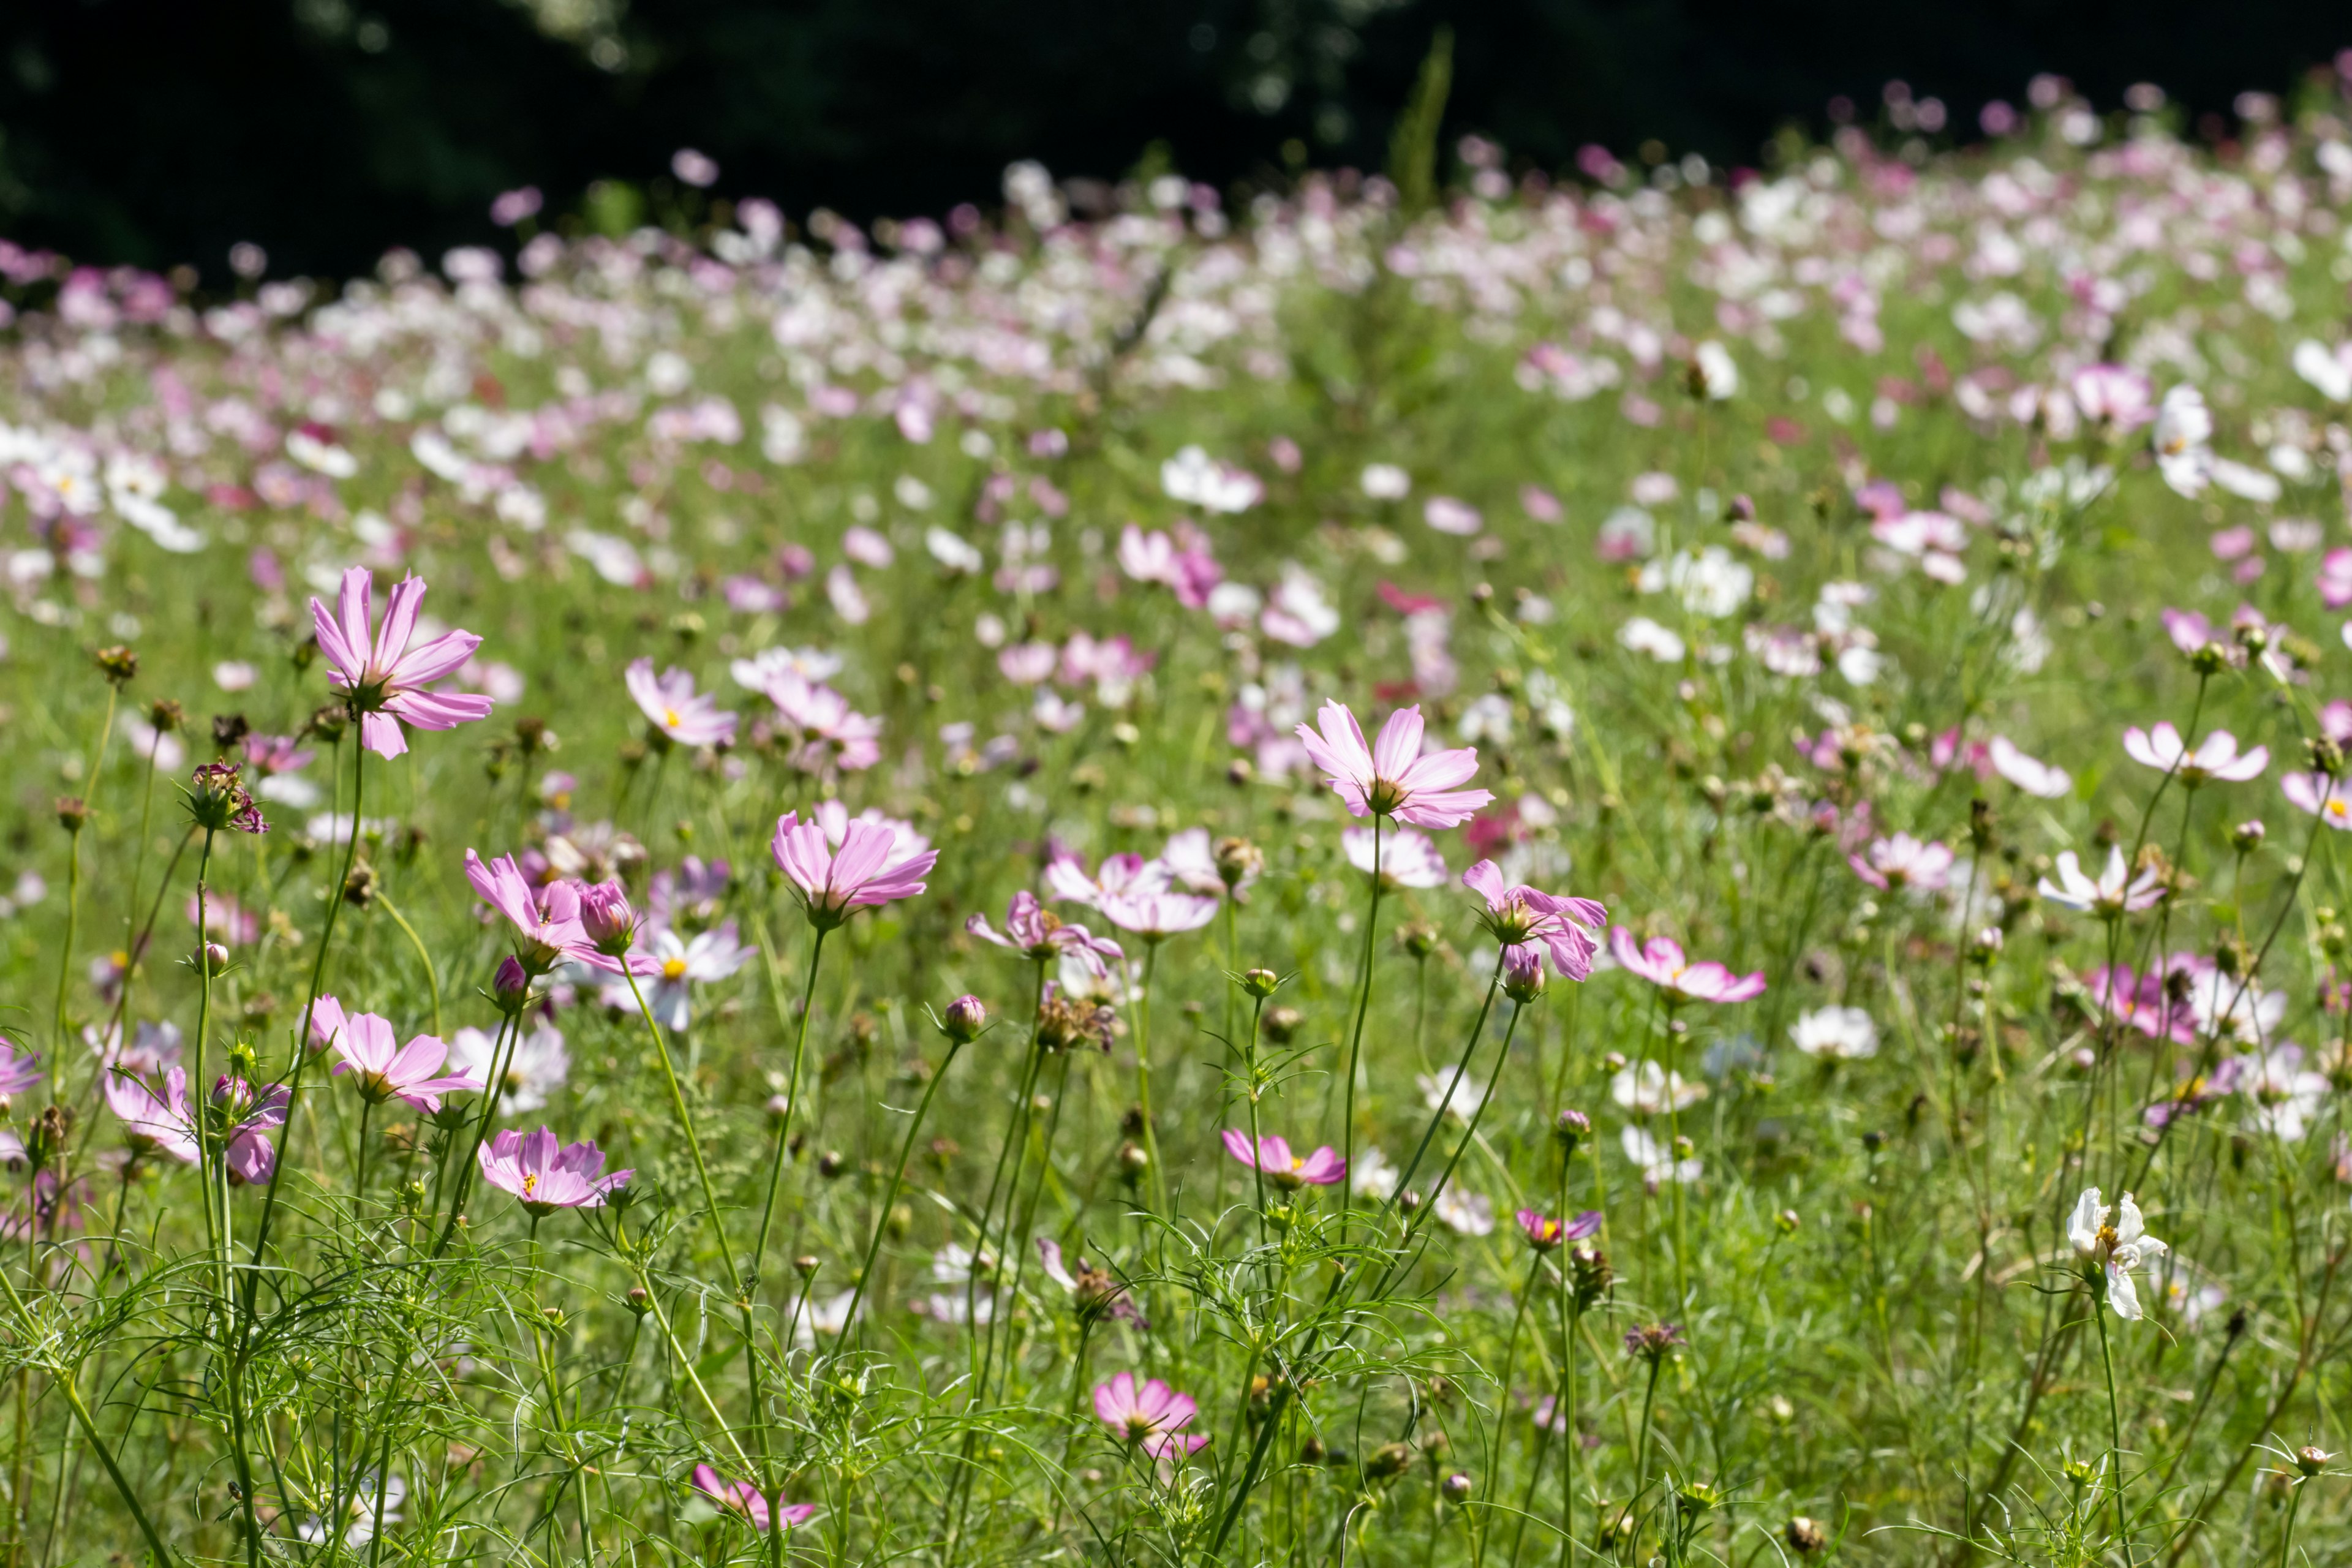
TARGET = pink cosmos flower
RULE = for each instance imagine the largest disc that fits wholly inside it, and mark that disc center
(2325, 799)
(1155, 916)
(2214, 757)
(1035, 933)
(1151, 1415)
(1662, 962)
(2041, 780)
(2192, 633)
(867, 868)
(1520, 914)
(2115, 891)
(548, 919)
(546, 1176)
(154, 1120)
(251, 1113)
(1066, 879)
(1903, 862)
(1392, 778)
(832, 733)
(2335, 577)
(745, 1498)
(1272, 1157)
(1407, 860)
(388, 679)
(677, 713)
(18, 1073)
(1544, 1232)
(2113, 395)
(411, 1073)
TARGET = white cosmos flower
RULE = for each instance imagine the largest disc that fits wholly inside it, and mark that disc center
(1646, 1087)
(1846, 1033)
(1655, 1159)
(2119, 1248)
(2115, 891)
(1471, 1213)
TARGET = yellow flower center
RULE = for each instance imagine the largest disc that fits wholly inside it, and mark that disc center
(530, 1185)
(673, 969)
(670, 721)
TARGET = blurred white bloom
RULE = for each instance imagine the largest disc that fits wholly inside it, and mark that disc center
(1846, 1033)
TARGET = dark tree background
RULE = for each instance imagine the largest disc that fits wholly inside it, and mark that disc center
(158, 132)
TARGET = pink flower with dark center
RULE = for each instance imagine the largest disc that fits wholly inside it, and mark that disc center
(386, 678)
(867, 868)
(1903, 862)
(411, 1073)
(1037, 934)
(547, 919)
(744, 1498)
(1151, 1415)
(1544, 1232)
(678, 714)
(2215, 757)
(1392, 778)
(547, 1175)
(1662, 962)
(1518, 914)
(1283, 1168)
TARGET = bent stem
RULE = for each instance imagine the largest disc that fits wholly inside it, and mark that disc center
(432, 979)
(898, 1178)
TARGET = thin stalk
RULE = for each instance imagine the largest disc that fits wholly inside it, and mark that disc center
(1356, 1036)
(432, 978)
(898, 1178)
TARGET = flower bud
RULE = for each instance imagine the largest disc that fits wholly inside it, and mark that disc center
(1788, 1222)
(966, 1019)
(831, 1163)
(166, 715)
(807, 1263)
(229, 731)
(510, 986)
(1388, 1461)
(1805, 1536)
(605, 916)
(2247, 836)
(1261, 983)
(1457, 1486)
(72, 812)
(119, 664)
(2211, 660)
(2327, 756)
(1523, 973)
(1133, 1161)
(2312, 1460)
(639, 1301)
(212, 958)
(1280, 1024)
(1570, 1129)
(1238, 860)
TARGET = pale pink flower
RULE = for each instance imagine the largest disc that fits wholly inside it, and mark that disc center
(832, 733)
(2115, 891)
(154, 1120)
(2114, 395)
(1518, 914)
(548, 918)
(386, 1070)
(1662, 962)
(1407, 858)
(2214, 757)
(1283, 1168)
(385, 677)
(1393, 778)
(2322, 797)
(1903, 862)
(675, 709)
(1065, 877)
(1151, 1415)
(1189, 860)
(1037, 934)
(866, 870)
(745, 1498)
(548, 1175)
(1155, 916)
(1544, 1232)
(2042, 780)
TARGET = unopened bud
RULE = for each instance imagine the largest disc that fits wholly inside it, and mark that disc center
(965, 1021)
(510, 986)
(166, 715)
(1238, 860)
(639, 1301)
(1280, 1024)
(2312, 1460)
(1805, 1535)
(1457, 1486)
(1261, 983)
(72, 812)
(1571, 1127)
(2247, 836)
(1788, 1221)
(1133, 1161)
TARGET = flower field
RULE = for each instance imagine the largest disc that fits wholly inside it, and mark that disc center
(1639, 869)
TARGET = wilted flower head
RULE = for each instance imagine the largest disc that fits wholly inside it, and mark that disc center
(219, 801)
(1653, 1342)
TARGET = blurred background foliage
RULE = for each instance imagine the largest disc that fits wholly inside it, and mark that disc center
(157, 132)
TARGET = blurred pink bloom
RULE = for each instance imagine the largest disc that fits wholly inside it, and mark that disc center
(1151, 1416)
(1662, 962)
(1392, 778)
(1518, 914)
(2322, 797)
(1407, 860)
(745, 1498)
(867, 869)
(2042, 780)
(1544, 1232)
(2335, 577)
(672, 706)
(1903, 862)
(1035, 933)
(1285, 1169)
(386, 680)
(1066, 879)
(549, 919)
(2114, 395)
(546, 1176)
(1155, 916)
(1448, 515)
(832, 733)
(2215, 757)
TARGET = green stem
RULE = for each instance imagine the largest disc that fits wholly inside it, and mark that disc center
(432, 979)
(2115, 1430)
(897, 1177)
(1356, 1036)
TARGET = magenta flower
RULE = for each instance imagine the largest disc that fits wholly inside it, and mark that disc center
(1392, 778)
(1037, 934)
(411, 1073)
(17, 1072)
(745, 1498)
(2214, 757)
(2322, 797)
(251, 1114)
(1903, 862)
(606, 919)
(868, 868)
(673, 708)
(1544, 1232)
(1662, 962)
(1151, 1415)
(548, 918)
(1518, 914)
(546, 1176)
(1285, 1169)
(154, 1120)
(386, 680)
